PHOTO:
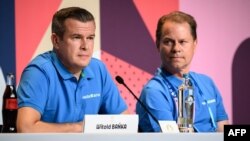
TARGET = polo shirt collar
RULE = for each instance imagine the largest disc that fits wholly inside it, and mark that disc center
(65, 74)
(88, 72)
(174, 80)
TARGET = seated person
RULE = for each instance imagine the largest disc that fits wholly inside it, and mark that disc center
(60, 86)
(176, 42)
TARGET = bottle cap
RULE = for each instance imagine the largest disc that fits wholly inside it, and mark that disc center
(185, 75)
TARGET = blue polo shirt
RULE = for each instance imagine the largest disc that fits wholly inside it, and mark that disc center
(161, 103)
(55, 93)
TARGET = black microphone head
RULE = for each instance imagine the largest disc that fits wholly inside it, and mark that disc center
(119, 79)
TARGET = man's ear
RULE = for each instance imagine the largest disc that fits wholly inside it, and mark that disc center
(195, 45)
(157, 44)
(55, 40)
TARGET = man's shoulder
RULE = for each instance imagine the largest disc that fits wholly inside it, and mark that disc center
(94, 62)
(96, 67)
(42, 59)
(156, 82)
(200, 76)
(42, 62)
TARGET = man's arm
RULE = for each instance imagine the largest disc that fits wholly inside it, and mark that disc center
(28, 120)
(125, 112)
(221, 124)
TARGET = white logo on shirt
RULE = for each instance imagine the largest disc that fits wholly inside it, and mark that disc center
(209, 101)
(91, 96)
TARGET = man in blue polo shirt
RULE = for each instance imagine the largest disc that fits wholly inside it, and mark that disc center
(59, 87)
(176, 42)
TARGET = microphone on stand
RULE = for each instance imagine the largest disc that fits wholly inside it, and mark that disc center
(120, 80)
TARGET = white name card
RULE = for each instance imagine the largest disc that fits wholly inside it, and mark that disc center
(168, 126)
(111, 123)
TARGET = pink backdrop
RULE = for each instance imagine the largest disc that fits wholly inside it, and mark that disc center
(222, 26)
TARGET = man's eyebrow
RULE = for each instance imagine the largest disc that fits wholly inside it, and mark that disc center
(167, 38)
(76, 34)
(93, 35)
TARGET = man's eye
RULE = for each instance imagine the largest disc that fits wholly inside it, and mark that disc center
(168, 42)
(76, 37)
(91, 38)
(182, 42)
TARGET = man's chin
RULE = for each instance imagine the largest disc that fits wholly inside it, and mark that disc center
(178, 67)
(84, 64)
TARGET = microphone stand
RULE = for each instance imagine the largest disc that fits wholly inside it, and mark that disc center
(120, 81)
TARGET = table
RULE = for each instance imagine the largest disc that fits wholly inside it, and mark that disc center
(112, 137)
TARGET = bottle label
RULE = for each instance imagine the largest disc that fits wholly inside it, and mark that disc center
(11, 104)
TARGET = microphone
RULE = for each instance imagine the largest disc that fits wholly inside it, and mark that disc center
(120, 80)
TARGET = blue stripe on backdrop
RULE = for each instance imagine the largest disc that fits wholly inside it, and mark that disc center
(7, 36)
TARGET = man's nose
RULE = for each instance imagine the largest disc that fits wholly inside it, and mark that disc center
(176, 47)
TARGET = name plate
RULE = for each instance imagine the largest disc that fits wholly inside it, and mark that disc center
(111, 123)
(168, 126)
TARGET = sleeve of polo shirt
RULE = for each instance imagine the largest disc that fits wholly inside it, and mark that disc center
(32, 89)
(220, 110)
(112, 102)
(221, 113)
(159, 102)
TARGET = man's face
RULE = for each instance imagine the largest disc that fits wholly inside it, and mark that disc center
(176, 47)
(76, 48)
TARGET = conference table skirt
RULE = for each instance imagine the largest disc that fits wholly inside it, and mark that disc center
(112, 137)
